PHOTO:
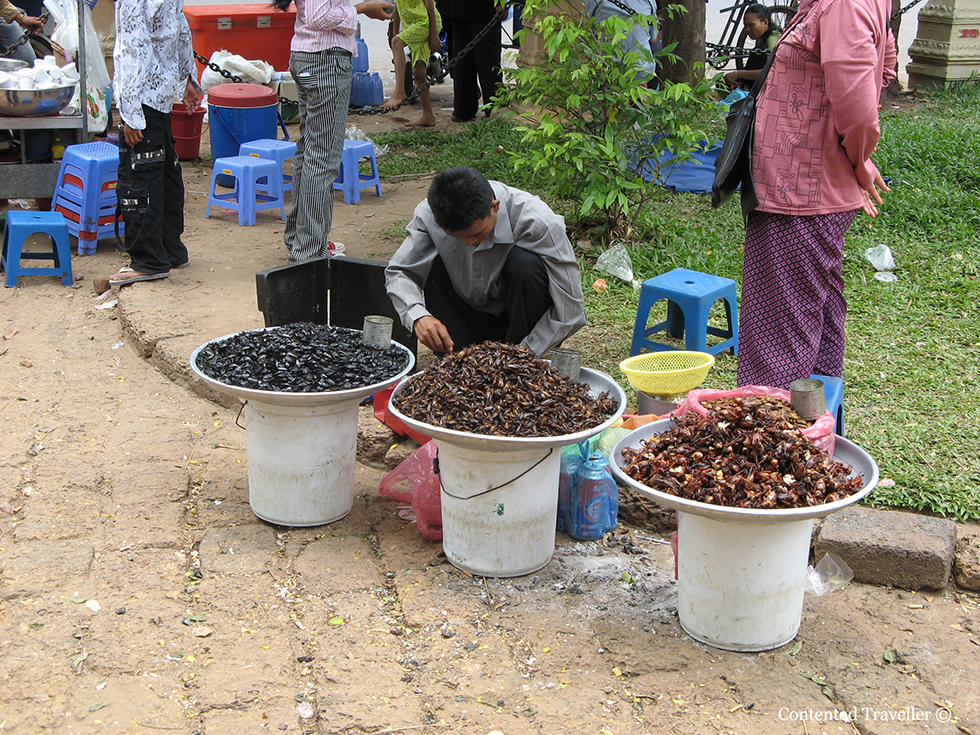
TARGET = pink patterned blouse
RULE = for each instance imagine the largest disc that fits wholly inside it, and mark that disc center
(817, 118)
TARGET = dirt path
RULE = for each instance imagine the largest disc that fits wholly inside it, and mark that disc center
(139, 594)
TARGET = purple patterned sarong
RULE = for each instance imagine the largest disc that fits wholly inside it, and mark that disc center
(791, 318)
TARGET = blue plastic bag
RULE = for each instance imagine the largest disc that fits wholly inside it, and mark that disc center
(588, 498)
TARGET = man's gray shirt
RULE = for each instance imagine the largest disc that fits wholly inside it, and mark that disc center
(523, 221)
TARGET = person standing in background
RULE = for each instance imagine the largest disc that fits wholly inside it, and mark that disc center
(320, 63)
(154, 62)
(816, 127)
(415, 26)
(478, 71)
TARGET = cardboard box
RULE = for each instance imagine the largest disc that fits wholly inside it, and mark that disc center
(251, 31)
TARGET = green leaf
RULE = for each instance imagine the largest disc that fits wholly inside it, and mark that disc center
(97, 707)
(336, 620)
(797, 647)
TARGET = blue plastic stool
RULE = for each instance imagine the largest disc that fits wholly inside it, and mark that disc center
(833, 391)
(351, 180)
(87, 181)
(20, 226)
(279, 151)
(690, 296)
(89, 233)
(247, 171)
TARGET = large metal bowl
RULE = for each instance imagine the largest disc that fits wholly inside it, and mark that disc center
(862, 465)
(33, 102)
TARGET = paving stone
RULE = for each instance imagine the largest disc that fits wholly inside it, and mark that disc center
(903, 550)
(966, 568)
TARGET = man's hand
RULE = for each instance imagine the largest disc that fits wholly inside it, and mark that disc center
(192, 96)
(433, 334)
(377, 9)
(132, 135)
(29, 23)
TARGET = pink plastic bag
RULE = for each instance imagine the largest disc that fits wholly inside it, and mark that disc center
(820, 432)
(420, 487)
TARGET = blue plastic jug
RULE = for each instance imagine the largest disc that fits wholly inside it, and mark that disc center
(360, 61)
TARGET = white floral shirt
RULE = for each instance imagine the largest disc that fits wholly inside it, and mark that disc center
(153, 57)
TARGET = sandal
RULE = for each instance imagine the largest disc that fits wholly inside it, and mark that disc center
(127, 275)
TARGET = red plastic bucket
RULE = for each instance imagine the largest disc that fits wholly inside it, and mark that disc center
(187, 128)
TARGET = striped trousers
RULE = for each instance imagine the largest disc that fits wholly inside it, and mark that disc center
(323, 85)
(791, 319)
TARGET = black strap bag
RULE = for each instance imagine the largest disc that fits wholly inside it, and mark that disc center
(734, 165)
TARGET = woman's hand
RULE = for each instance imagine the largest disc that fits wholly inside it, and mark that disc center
(732, 80)
(872, 197)
(435, 43)
(377, 9)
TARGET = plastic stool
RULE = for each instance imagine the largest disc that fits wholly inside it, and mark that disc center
(690, 296)
(351, 180)
(20, 226)
(89, 233)
(833, 391)
(279, 151)
(247, 171)
(87, 179)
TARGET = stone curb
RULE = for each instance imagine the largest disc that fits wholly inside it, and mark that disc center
(901, 549)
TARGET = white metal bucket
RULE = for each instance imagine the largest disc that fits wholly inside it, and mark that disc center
(301, 461)
(740, 585)
(508, 531)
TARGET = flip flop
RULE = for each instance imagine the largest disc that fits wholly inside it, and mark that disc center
(136, 276)
(182, 265)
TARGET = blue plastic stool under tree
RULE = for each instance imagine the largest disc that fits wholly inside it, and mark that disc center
(690, 296)
(351, 180)
(833, 391)
(279, 151)
(246, 172)
(19, 227)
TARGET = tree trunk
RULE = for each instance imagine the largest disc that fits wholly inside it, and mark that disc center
(894, 89)
(687, 31)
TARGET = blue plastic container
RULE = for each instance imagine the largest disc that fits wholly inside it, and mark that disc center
(240, 113)
(366, 89)
(360, 61)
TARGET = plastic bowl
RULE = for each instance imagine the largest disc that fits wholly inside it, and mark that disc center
(667, 373)
(33, 102)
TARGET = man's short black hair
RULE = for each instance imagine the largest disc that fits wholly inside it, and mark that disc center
(459, 197)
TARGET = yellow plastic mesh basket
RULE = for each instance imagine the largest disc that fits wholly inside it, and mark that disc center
(667, 373)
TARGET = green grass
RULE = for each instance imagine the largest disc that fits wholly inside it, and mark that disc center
(912, 366)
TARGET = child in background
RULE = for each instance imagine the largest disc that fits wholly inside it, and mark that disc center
(415, 25)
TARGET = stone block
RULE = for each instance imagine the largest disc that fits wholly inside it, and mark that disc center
(966, 568)
(890, 548)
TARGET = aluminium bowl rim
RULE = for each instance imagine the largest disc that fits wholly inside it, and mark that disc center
(296, 398)
(600, 382)
(741, 515)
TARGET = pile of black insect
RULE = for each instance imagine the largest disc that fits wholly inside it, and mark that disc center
(299, 358)
(500, 389)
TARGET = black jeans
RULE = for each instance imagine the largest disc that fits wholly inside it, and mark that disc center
(151, 196)
(527, 300)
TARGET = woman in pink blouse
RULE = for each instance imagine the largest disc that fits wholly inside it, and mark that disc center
(815, 130)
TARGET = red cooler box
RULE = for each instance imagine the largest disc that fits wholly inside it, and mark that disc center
(252, 31)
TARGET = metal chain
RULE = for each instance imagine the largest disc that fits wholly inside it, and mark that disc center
(435, 72)
(25, 37)
(904, 10)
